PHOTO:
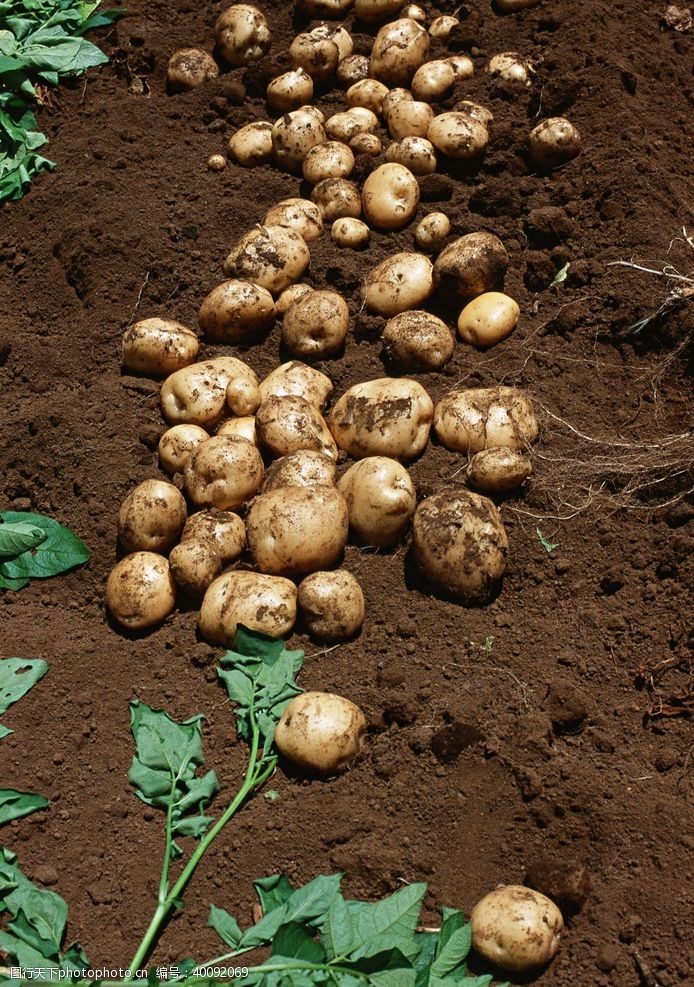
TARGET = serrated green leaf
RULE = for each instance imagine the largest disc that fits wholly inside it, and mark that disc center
(19, 536)
(388, 924)
(59, 551)
(15, 805)
(273, 891)
(293, 941)
(17, 677)
(38, 918)
(307, 904)
(225, 925)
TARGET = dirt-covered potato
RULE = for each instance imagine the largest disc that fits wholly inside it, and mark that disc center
(297, 379)
(460, 545)
(297, 529)
(463, 67)
(242, 34)
(333, 159)
(216, 162)
(237, 311)
(366, 144)
(320, 732)
(432, 230)
(337, 33)
(337, 198)
(414, 153)
(301, 215)
(409, 118)
(433, 80)
(225, 531)
(380, 498)
(343, 127)
(442, 26)
(554, 142)
(498, 470)
(516, 929)
(158, 347)
(398, 283)
(270, 256)
(177, 444)
(259, 602)
(392, 97)
(376, 10)
(352, 69)
(488, 319)
(366, 117)
(398, 51)
(482, 417)
(289, 91)
(304, 468)
(471, 265)
(140, 591)
(197, 394)
(224, 472)
(290, 295)
(316, 325)
(242, 396)
(331, 605)
(414, 12)
(189, 68)
(368, 93)
(293, 136)
(151, 517)
(416, 341)
(252, 145)
(194, 565)
(390, 197)
(287, 424)
(350, 232)
(319, 57)
(512, 67)
(384, 417)
(243, 427)
(458, 135)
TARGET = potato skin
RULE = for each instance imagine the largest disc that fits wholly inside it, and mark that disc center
(516, 928)
(140, 591)
(303, 468)
(316, 325)
(416, 340)
(271, 256)
(287, 424)
(159, 347)
(458, 135)
(498, 470)
(554, 142)
(177, 444)
(399, 283)
(237, 311)
(197, 394)
(243, 427)
(320, 732)
(259, 602)
(398, 51)
(488, 319)
(223, 472)
(297, 379)
(224, 530)
(151, 517)
(385, 417)
(194, 564)
(470, 265)
(482, 417)
(380, 498)
(390, 197)
(188, 68)
(331, 605)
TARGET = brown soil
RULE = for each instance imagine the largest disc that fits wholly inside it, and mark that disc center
(503, 738)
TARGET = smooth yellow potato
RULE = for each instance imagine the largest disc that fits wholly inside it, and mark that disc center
(304, 468)
(151, 517)
(458, 135)
(482, 417)
(293, 136)
(333, 159)
(194, 565)
(488, 319)
(242, 34)
(225, 531)
(331, 605)
(237, 311)
(366, 117)
(398, 51)
(463, 67)
(158, 347)
(177, 444)
(554, 142)
(337, 198)
(433, 80)
(471, 265)
(380, 498)
(384, 417)
(242, 396)
(197, 394)
(391, 97)
(350, 232)
(414, 153)
(287, 424)
(516, 928)
(414, 12)
(401, 282)
(289, 91)
(409, 118)
(368, 93)
(224, 472)
(390, 197)
(216, 162)
(270, 256)
(243, 427)
(140, 591)
(315, 327)
(441, 27)
(252, 145)
(432, 230)
(320, 732)
(188, 68)
(498, 470)
(342, 127)
(298, 379)
(260, 602)
(417, 341)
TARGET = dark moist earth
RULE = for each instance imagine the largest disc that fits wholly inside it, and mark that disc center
(503, 739)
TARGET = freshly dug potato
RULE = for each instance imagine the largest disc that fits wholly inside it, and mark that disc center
(380, 498)
(237, 311)
(299, 380)
(337, 198)
(352, 69)
(197, 394)
(339, 35)
(224, 472)
(159, 347)
(293, 136)
(482, 417)
(189, 68)
(366, 117)
(417, 341)
(414, 12)
(512, 67)
(225, 532)
(408, 118)
(243, 427)
(301, 215)
(297, 529)
(343, 127)
(516, 928)
(366, 144)
(414, 153)
(320, 732)
(287, 424)
(303, 468)
(242, 396)
(316, 325)
(289, 91)
(442, 26)
(433, 80)
(471, 265)
(368, 93)
(398, 51)
(498, 470)
(242, 34)
(398, 283)
(140, 591)
(216, 162)
(474, 110)
(458, 135)
(432, 230)
(390, 197)
(385, 417)
(554, 142)
(259, 602)
(392, 97)
(350, 232)
(194, 565)
(333, 159)
(290, 295)
(460, 545)
(252, 145)
(331, 605)
(376, 10)
(319, 57)
(270, 256)
(151, 517)
(488, 319)
(463, 67)
(177, 444)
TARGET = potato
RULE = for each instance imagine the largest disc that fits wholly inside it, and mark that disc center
(242, 396)
(242, 34)
(384, 417)
(304, 468)
(432, 230)
(376, 10)
(339, 35)
(301, 215)
(380, 498)
(482, 417)
(287, 424)
(216, 162)
(390, 197)
(391, 98)
(337, 198)
(225, 532)
(471, 265)
(331, 605)
(415, 13)
(333, 159)
(157, 347)
(316, 325)
(349, 232)
(366, 144)
(399, 283)
(498, 470)
(177, 444)
(197, 394)
(297, 379)
(414, 153)
(325, 8)
(554, 142)
(320, 732)
(474, 110)
(140, 591)
(409, 118)
(259, 602)
(290, 295)
(433, 80)
(194, 565)
(352, 69)
(460, 545)
(289, 91)
(243, 427)
(516, 928)
(270, 256)
(151, 517)
(510, 6)
(458, 135)
(188, 69)
(463, 67)
(319, 57)
(297, 529)
(417, 341)
(293, 136)
(252, 145)
(398, 51)
(441, 27)
(368, 93)
(343, 127)
(237, 311)
(488, 319)
(512, 67)
(224, 472)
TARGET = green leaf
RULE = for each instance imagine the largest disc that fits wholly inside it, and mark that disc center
(338, 930)
(455, 941)
(309, 903)
(38, 918)
(225, 925)
(273, 891)
(59, 551)
(17, 677)
(293, 941)
(19, 536)
(560, 276)
(388, 924)
(547, 545)
(15, 805)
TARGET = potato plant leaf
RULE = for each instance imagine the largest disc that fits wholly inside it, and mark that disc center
(225, 925)
(14, 805)
(17, 677)
(58, 551)
(19, 536)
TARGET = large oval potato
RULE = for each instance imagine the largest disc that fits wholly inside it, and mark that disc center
(303, 468)
(385, 417)
(398, 51)
(224, 530)
(287, 424)
(488, 319)
(297, 529)
(331, 605)
(316, 325)
(482, 417)
(259, 602)
(516, 928)
(390, 197)
(470, 265)
(271, 256)
(299, 380)
(224, 472)
(401, 282)
(320, 732)
(151, 517)
(197, 394)
(458, 135)
(140, 591)
(159, 347)
(380, 498)
(417, 340)
(237, 311)
(242, 34)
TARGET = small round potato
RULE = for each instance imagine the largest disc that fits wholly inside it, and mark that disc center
(471, 265)
(194, 565)
(433, 80)
(242, 34)
(482, 417)
(417, 341)
(512, 67)
(390, 197)
(474, 110)
(343, 127)
(297, 529)
(333, 159)
(351, 70)
(350, 232)
(366, 144)
(337, 198)
(316, 325)
(320, 732)
(299, 380)
(216, 162)
(331, 605)
(225, 531)
(270, 256)
(398, 51)
(398, 283)
(442, 26)
(366, 117)
(488, 319)
(510, 6)
(319, 57)
(242, 396)
(189, 68)
(368, 93)
(301, 215)
(303, 468)
(409, 118)
(290, 295)
(243, 427)
(392, 97)
(414, 153)
(224, 472)
(384, 417)
(151, 517)
(337, 33)
(376, 10)
(516, 928)
(252, 145)
(237, 311)
(177, 444)
(381, 500)
(293, 136)
(498, 470)
(259, 602)
(463, 67)
(158, 347)
(432, 230)
(289, 91)
(415, 13)
(287, 424)
(460, 545)
(140, 591)
(458, 135)
(554, 142)
(198, 395)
